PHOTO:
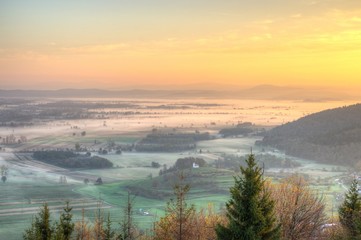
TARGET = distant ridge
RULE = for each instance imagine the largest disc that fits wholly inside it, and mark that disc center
(330, 136)
(262, 92)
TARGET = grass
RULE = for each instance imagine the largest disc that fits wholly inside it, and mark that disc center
(133, 170)
(20, 197)
(200, 195)
(38, 184)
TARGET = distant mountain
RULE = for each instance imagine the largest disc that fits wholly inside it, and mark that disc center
(262, 92)
(331, 136)
(271, 92)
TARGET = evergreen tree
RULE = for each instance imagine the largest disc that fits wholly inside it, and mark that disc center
(66, 224)
(350, 212)
(43, 223)
(41, 228)
(250, 209)
(31, 233)
(108, 232)
(58, 234)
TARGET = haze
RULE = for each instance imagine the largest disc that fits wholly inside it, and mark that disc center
(125, 44)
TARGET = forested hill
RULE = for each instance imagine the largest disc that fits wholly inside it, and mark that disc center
(332, 136)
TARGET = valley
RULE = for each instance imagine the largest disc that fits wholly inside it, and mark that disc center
(114, 133)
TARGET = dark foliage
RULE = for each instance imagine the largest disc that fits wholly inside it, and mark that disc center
(41, 228)
(186, 163)
(227, 132)
(267, 161)
(99, 181)
(170, 142)
(250, 209)
(68, 159)
(332, 136)
(350, 212)
(14, 115)
(155, 165)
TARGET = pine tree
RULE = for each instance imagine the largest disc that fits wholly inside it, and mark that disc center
(66, 224)
(41, 228)
(250, 209)
(350, 212)
(108, 232)
(43, 223)
(31, 233)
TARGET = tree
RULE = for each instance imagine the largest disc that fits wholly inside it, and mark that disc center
(41, 228)
(350, 212)
(31, 233)
(108, 232)
(299, 210)
(206, 222)
(179, 223)
(127, 227)
(99, 181)
(250, 209)
(4, 172)
(86, 181)
(66, 224)
(98, 230)
(155, 165)
(82, 230)
(77, 147)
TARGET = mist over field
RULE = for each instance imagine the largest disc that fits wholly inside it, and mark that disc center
(57, 149)
(164, 120)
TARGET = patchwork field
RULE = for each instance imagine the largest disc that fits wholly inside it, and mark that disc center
(30, 183)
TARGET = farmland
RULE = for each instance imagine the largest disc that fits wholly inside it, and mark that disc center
(31, 182)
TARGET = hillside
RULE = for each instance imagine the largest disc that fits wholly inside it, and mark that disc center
(330, 136)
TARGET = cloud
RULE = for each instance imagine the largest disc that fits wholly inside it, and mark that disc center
(334, 30)
(96, 48)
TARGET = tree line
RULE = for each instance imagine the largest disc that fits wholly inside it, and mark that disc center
(257, 210)
(170, 142)
(69, 159)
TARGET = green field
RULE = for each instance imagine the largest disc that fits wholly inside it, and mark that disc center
(29, 186)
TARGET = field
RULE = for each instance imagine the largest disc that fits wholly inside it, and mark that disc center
(31, 183)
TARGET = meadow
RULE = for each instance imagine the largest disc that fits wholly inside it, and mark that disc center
(30, 183)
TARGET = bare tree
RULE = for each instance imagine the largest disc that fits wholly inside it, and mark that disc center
(300, 211)
(82, 230)
(127, 228)
(4, 172)
(183, 222)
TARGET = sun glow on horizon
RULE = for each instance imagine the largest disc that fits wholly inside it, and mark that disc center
(317, 46)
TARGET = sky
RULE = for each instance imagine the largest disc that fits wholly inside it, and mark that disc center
(117, 44)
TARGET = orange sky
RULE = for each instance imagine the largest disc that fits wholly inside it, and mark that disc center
(121, 44)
